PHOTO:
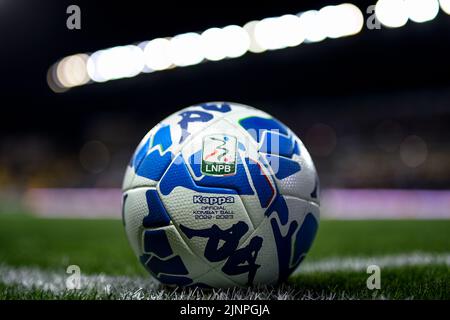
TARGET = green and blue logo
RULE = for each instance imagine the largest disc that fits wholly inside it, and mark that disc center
(219, 155)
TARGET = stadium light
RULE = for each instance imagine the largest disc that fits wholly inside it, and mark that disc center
(185, 49)
(71, 71)
(391, 13)
(279, 32)
(396, 13)
(254, 45)
(445, 6)
(236, 41)
(229, 42)
(342, 20)
(265, 35)
(91, 66)
(156, 54)
(115, 63)
(332, 22)
(312, 26)
(233, 41)
(212, 44)
(422, 10)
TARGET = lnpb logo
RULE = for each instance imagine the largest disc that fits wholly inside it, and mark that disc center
(219, 155)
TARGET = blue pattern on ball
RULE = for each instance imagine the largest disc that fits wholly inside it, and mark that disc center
(157, 214)
(178, 175)
(304, 238)
(276, 143)
(156, 242)
(153, 165)
(282, 167)
(255, 126)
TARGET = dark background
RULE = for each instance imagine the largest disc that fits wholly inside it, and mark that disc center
(353, 101)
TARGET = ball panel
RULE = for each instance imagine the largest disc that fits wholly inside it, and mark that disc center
(135, 209)
(190, 121)
(304, 239)
(301, 184)
(251, 180)
(263, 261)
(171, 255)
(157, 213)
(305, 214)
(127, 183)
(193, 207)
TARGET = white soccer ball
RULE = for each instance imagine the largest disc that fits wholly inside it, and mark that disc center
(220, 195)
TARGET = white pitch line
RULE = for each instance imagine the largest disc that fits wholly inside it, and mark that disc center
(123, 287)
(361, 263)
(34, 278)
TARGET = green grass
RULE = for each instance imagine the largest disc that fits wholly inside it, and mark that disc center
(97, 246)
(100, 246)
(418, 282)
(380, 237)
(18, 293)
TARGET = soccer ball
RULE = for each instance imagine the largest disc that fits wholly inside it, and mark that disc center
(220, 195)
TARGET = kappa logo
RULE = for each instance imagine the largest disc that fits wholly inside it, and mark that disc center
(212, 200)
(219, 155)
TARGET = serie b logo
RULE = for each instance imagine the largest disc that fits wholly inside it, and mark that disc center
(219, 155)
